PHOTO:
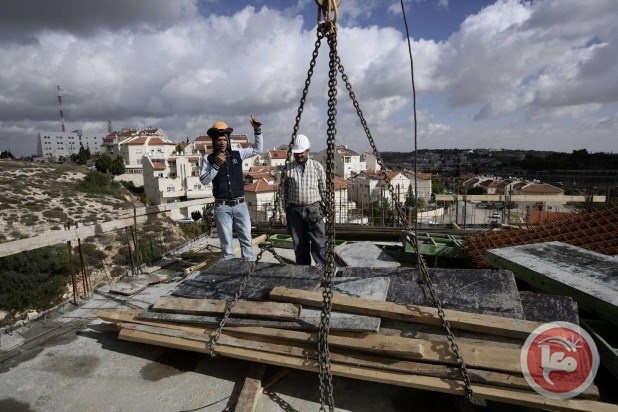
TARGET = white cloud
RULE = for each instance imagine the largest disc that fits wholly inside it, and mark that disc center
(548, 64)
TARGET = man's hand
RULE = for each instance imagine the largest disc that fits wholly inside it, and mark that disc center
(257, 125)
(220, 158)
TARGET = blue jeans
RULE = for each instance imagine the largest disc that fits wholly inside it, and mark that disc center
(238, 216)
(309, 237)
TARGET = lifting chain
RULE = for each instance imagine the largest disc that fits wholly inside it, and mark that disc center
(230, 304)
(326, 379)
(276, 208)
(328, 29)
(424, 272)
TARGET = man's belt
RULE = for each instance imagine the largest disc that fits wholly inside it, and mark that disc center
(231, 202)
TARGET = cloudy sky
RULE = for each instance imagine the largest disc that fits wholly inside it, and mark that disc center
(539, 74)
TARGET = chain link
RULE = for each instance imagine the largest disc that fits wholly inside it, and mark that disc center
(326, 378)
(230, 303)
(329, 30)
(423, 269)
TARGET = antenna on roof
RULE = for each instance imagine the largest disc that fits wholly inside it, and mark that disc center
(109, 126)
(61, 112)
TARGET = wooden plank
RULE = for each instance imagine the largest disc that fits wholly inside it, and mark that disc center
(352, 354)
(251, 389)
(252, 309)
(202, 265)
(164, 208)
(502, 359)
(494, 325)
(480, 391)
(300, 347)
(56, 237)
(558, 268)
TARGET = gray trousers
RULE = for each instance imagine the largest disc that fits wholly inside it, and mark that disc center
(309, 237)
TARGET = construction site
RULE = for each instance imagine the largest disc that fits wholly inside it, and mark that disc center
(400, 318)
(195, 332)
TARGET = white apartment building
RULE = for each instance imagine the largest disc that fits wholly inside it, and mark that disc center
(133, 145)
(371, 162)
(260, 195)
(423, 183)
(347, 161)
(275, 158)
(370, 186)
(55, 145)
(174, 179)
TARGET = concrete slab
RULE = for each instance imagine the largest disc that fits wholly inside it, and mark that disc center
(558, 268)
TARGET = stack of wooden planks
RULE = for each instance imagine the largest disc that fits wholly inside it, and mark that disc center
(407, 349)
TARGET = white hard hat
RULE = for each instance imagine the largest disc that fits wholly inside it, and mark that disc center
(301, 143)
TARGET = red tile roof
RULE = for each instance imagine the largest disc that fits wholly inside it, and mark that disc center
(278, 154)
(261, 186)
(541, 188)
(535, 217)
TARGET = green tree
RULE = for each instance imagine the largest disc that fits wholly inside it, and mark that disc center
(437, 186)
(475, 191)
(83, 156)
(117, 167)
(103, 163)
(97, 182)
(413, 201)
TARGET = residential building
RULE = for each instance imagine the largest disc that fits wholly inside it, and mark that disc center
(347, 161)
(275, 158)
(260, 195)
(370, 186)
(539, 189)
(371, 162)
(56, 145)
(490, 186)
(132, 145)
(175, 179)
(423, 183)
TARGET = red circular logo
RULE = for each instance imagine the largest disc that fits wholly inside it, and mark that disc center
(559, 360)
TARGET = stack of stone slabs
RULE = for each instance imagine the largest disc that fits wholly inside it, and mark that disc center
(469, 290)
(222, 282)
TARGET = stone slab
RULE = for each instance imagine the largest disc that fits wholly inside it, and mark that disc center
(492, 292)
(365, 254)
(541, 307)
(223, 279)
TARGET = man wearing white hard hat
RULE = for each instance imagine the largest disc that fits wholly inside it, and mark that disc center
(223, 167)
(304, 183)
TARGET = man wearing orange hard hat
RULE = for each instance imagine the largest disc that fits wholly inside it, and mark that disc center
(223, 167)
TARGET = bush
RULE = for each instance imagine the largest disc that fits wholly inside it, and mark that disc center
(33, 280)
(99, 183)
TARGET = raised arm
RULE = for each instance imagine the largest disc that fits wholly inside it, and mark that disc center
(257, 146)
